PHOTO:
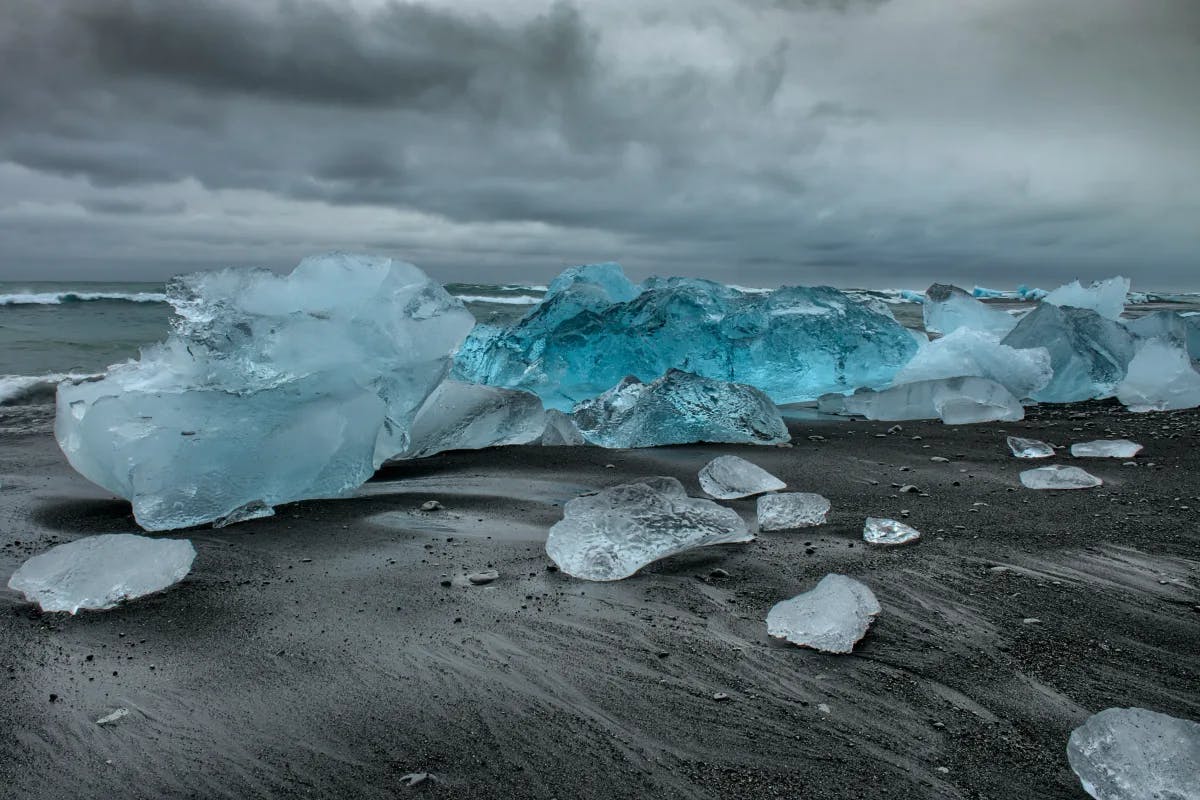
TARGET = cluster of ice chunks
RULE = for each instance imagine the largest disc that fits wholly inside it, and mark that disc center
(888, 532)
(612, 534)
(782, 512)
(1136, 754)
(731, 477)
(269, 389)
(1106, 448)
(98, 572)
(467, 416)
(594, 328)
(1161, 377)
(949, 308)
(971, 353)
(679, 408)
(1058, 476)
(1029, 448)
(956, 401)
(831, 618)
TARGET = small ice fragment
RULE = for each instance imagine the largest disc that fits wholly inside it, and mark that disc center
(1106, 448)
(888, 532)
(108, 719)
(1160, 378)
(1057, 476)
(779, 512)
(98, 572)
(730, 477)
(483, 578)
(831, 617)
(1029, 448)
(1136, 754)
(612, 534)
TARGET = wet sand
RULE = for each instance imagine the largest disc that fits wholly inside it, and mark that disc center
(317, 653)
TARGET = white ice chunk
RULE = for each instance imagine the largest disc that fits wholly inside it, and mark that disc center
(955, 401)
(98, 572)
(888, 532)
(949, 308)
(967, 352)
(1106, 448)
(467, 416)
(1136, 754)
(730, 477)
(781, 512)
(560, 430)
(831, 618)
(1029, 448)
(612, 534)
(1161, 377)
(1106, 298)
(1056, 476)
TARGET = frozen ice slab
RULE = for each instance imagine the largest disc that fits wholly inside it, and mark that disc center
(98, 572)
(561, 431)
(612, 534)
(1136, 754)
(1088, 353)
(956, 401)
(967, 352)
(782, 512)
(730, 477)
(1029, 448)
(679, 408)
(888, 532)
(949, 308)
(594, 328)
(1057, 476)
(467, 416)
(1106, 298)
(1160, 378)
(831, 618)
(1106, 448)
(271, 388)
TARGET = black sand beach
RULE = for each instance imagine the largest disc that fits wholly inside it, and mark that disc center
(317, 653)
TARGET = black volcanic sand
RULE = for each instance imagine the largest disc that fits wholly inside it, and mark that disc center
(316, 654)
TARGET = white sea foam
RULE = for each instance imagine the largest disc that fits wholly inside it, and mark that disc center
(35, 389)
(58, 298)
(508, 300)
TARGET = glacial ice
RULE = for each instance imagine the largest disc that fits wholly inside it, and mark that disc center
(971, 353)
(731, 477)
(270, 389)
(594, 328)
(888, 532)
(98, 572)
(467, 416)
(1029, 448)
(1136, 754)
(1106, 448)
(1170, 326)
(612, 534)
(1106, 298)
(832, 617)
(1057, 476)
(679, 408)
(949, 308)
(1160, 377)
(1088, 353)
(561, 431)
(782, 512)
(956, 401)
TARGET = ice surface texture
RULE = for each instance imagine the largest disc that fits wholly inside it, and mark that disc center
(612, 534)
(949, 308)
(888, 532)
(98, 572)
(1057, 476)
(270, 389)
(782, 512)
(561, 430)
(679, 408)
(730, 477)
(1171, 327)
(831, 617)
(955, 401)
(968, 352)
(1106, 448)
(1088, 353)
(1160, 378)
(1136, 754)
(1029, 448)
(594, 328)
(1106, 298)
(467, 416)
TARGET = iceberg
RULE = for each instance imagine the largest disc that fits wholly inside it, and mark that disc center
(831, 618)
(888, 532)
(467, 416)
(1106, 448)
(1029, 448)
(679, 408)
(948, 308)
(956, 401)
(270, 389)
(1057, 476)
(593, 328)
(971, 353)
(782, 512)
(730, 477)
(1106, 298)
(98, 572)
(561, 431)
(1088, 353)
(1160, 377)
(612, 534)
(1136, 754)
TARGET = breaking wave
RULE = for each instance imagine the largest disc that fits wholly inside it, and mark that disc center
(28, 390)
(60, 298)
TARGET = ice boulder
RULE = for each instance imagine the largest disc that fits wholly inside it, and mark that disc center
(1106, 448)
(467, 416)
(561, 431)
(679, 408)
(1170, 326)
(271, 388)
(1106, 298)
(949, 308)
(612, 534)
(1029, 448)
(888, 532)
(1160, 377)
(731, 477)
(831, 618)
(966, 353)
(1136, 754)
(592, 329)
(1057, 476)
(956, 401)
(98, 572)
(783, 512)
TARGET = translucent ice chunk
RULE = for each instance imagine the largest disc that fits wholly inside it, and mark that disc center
(1088, 353)
(781, 512)
(561, 430)
(1170, 326)
(1106, 448)
(467, 416)
(1029, 448)
(612, 534)
(831, 618)
(949, 308)
(730, 477)
(967, 352)
(888, 532)
(955, 401)
(1136, 754)
(679, 408)
(1160, 378)
(98, 572)
(1106, 298)
(1057, 476)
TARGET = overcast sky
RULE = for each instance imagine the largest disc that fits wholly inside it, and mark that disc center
(760, 142)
